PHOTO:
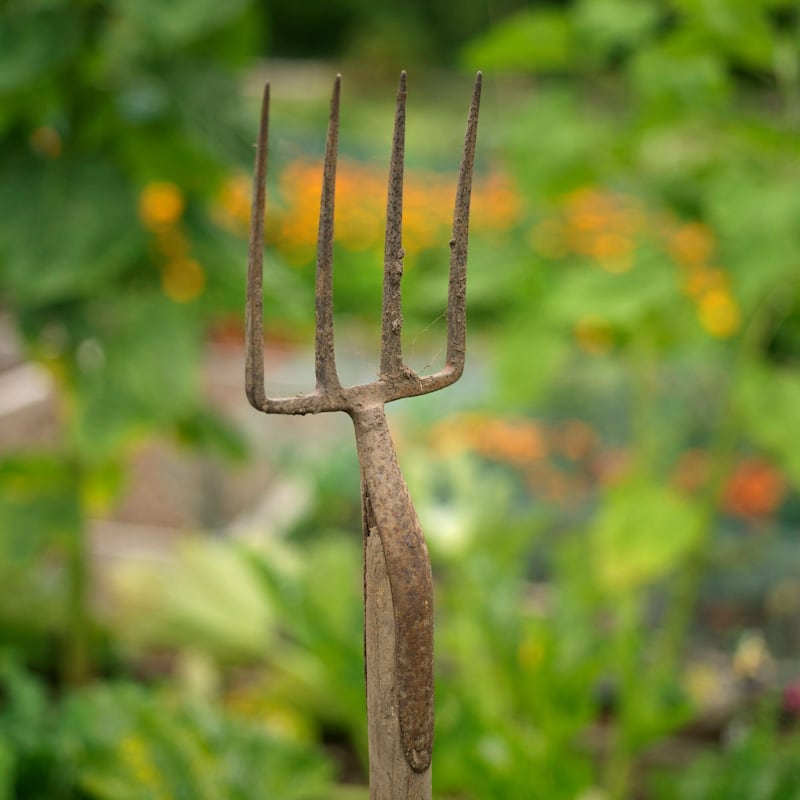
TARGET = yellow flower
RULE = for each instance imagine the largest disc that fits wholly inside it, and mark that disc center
(233, 203)
(160, 204)
(183, 280)
(719, 313)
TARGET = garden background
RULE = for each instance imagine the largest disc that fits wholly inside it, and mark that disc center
(610, 495)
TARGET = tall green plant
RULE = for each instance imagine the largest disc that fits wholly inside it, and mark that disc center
(118, 120)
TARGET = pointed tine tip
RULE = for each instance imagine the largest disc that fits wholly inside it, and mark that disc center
(401, 89)
(264, 109)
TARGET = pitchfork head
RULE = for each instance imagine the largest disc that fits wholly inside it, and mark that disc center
(396, 380)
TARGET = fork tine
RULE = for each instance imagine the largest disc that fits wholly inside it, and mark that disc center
(325, 357)
(392, 325)
(456, 298)
(254, 308)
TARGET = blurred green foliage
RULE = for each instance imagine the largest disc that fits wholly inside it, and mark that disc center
(760, 764)
(634, 298)
(376, 33)
(101, 100)
(112, 742)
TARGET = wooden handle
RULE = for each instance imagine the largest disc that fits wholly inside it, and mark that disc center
(390, 775)
(399, 615)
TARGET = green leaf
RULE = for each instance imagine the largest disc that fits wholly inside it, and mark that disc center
(528, 40)
(204, 429)
(766, 401)
(7, 760)
(547, 164)
(530, 358)
(756, 214)
(126, 742)
(642, 533)
(622, 301)
(174, 24)
(739, 29)
(679, 75)
(210, 600)
(38, 505)
(135, 372)
(69, 228)
(40, 515)
(34, 43)
(604, 26)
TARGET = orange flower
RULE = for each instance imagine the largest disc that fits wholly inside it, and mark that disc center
(755, 489)
(692, 244)
(160, 204)
(589, 209)
(361, 208)
(700, 280)
(602, 225)
(614, 252)
(515, 441)
(497, 204)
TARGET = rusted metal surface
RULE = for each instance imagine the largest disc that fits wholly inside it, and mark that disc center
(398, 583)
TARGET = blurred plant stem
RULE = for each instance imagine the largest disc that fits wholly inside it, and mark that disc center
(670, 645)
(76, 666)
(787, 72)
(619, 767)
(645, 386)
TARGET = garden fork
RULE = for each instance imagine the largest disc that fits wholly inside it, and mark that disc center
(398, 586)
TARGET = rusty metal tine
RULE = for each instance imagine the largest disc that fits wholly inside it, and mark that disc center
(456, 298)
(392, 326)
(457, 289)
(327, 378)
(254, 309)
